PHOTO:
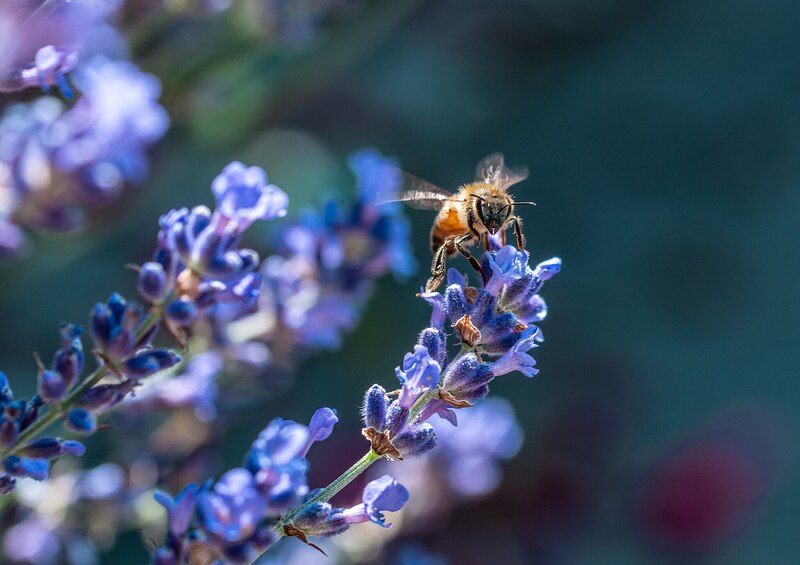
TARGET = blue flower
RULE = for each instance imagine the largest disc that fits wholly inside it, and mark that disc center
(320, 428)
(379, 496)
(244, 196)
(179, 509)
(276, 459)
(234, 508)
(516, 358)
(507, 265)
(419, 373)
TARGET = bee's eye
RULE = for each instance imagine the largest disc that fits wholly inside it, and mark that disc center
(485, 210)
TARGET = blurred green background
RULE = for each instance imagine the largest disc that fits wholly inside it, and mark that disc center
(663, 140)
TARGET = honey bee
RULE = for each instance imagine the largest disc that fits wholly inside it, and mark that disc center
(469, 216)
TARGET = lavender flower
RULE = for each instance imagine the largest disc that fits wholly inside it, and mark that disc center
(198, 263)
(381, 495)
(316, 286)
(56, 162)
(233, 518)
(486, 320)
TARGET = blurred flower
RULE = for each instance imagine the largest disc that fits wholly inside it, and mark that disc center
(56, 162)
(706, 491)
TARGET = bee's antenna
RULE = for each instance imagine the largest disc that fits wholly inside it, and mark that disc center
(478, 197)
(524, 203)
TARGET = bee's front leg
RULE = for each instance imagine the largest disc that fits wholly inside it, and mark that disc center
(438, 266)
(439, 263)
(472, 260)
(515, 222)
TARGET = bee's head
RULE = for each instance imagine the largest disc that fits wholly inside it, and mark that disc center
(493, 211)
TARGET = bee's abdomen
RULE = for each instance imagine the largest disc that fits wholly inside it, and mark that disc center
(449, 223)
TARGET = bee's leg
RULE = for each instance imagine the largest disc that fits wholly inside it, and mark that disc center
(518, 232)
(438, 266)
(472, 260)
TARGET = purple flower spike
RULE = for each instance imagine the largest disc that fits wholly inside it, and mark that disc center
(179, 509)
(516, 359)
(243, 196)
(419, 373)
(507, 265)
(381, 495)
(320, 428)
(234, 508)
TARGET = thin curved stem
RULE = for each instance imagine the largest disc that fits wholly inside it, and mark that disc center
(348, 476)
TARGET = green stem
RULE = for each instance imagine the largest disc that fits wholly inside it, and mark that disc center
(328, 492)
(60, 410)
(350, 475)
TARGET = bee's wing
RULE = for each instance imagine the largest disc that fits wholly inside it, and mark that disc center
(492, 170)
(417, 193)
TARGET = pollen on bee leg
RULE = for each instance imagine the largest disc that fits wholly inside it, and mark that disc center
(469, 333)
(381, 444)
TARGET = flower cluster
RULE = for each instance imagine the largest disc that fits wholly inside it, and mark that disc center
(493, 321)
(233, 519)
(57, 161)
(122, 337)
(200, 264)
(197, 263)
(318, 283)
(431, 383)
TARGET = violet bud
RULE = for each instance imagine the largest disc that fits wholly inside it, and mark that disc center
(182, 311)
(81, 421)
(152, 282)
(51, 386)
(415, 440)
(373, 410)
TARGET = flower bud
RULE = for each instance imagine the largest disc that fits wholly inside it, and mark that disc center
(373, 410)
(152, 281)
(415, 440)
(81, 421)
(37, 469)
(51, 386)
(182, 311)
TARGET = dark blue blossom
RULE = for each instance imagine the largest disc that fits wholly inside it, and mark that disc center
(123, 341)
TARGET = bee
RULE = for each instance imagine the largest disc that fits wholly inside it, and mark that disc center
(477, 210)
